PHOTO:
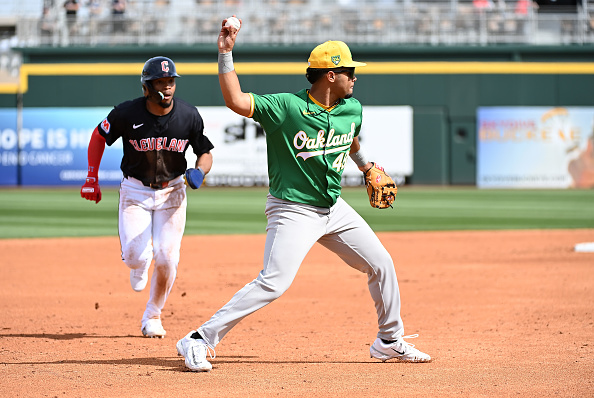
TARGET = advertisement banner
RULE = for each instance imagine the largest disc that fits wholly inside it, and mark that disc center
(387, 138)
(8, 147)
(51, 148)
(535, 147)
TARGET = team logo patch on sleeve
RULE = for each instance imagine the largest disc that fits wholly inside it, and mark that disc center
(105, 125)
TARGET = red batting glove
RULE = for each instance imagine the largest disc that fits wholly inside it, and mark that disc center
(90, 190)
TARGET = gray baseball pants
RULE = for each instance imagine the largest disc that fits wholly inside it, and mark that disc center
(292, 230)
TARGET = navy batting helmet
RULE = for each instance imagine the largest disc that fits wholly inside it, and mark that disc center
(156, 68)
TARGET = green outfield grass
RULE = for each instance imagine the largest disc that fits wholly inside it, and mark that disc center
(27, 212)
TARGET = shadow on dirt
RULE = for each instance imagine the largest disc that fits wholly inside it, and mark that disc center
(65, 336)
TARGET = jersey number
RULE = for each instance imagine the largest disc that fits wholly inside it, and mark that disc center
(340, 162)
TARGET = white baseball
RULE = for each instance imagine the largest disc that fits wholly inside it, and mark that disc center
(234, 22)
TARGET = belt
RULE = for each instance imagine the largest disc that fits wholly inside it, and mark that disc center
(157, 185)
(153, 185)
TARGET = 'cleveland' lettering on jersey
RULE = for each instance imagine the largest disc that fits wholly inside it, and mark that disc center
(159, 144)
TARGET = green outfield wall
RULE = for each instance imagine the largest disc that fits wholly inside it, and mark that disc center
(444, 85)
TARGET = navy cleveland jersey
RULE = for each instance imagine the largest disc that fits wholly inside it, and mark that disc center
(155, 146)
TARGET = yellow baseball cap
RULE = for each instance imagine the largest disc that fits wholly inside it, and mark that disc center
(332, 54)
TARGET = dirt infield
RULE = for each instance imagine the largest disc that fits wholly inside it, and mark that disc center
(506, 313)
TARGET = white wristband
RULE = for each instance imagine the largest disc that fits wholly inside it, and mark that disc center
(359, 158)
(226, 63)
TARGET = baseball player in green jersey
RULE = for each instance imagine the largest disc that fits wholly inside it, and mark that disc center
(310, 135)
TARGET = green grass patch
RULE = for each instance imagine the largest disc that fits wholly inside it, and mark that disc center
(476, 209)
(61, 212)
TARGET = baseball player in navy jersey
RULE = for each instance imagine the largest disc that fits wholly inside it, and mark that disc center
(156, 131)
(310, 135)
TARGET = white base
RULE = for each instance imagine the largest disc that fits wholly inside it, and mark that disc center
(586, 247)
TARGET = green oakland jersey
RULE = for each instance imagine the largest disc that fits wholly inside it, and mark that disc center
(307, 144)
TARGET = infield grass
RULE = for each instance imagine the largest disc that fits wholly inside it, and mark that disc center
(60, 212)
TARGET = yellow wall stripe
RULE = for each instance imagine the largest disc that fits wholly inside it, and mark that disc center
(9, 88)
(298, 68)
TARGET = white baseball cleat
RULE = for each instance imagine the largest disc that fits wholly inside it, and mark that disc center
(400, 350)
(138, 279)
(194, 351)
(153, 328)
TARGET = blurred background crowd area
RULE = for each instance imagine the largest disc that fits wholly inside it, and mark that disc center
(437, 22)
(65, 23)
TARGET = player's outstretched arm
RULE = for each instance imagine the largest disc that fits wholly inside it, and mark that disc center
(235, 99)
(91, 190)
(358, 157)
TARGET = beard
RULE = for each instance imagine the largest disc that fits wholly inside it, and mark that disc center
(155, 97)
(164, 104)
(350, 95)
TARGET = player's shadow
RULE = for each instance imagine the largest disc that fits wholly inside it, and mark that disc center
(176, 364)
(165, 363)
(246, 359)
(172, 364)
(168, 364)
(65, 336)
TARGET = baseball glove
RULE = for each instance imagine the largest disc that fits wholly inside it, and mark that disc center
(194, 178)
(381, 188)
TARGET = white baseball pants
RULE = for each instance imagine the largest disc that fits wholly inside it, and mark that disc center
(151, 226)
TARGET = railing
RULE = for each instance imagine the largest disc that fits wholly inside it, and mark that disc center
(287, 22)
(312, 21)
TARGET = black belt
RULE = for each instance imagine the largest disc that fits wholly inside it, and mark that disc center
(153, 185)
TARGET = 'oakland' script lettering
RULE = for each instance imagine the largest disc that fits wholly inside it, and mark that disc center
(301, 139)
